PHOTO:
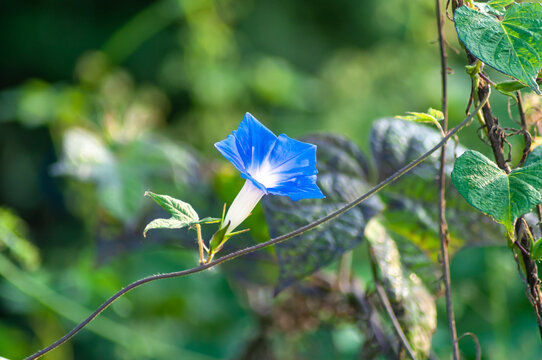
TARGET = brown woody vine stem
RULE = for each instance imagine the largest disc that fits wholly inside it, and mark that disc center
(443, 225)
(497, 139)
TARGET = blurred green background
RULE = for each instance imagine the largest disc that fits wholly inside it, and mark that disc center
(100, 101)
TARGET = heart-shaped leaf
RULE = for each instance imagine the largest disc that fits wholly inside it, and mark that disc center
(182, 214)
(342, 177)
(512, 45)
(502, 196)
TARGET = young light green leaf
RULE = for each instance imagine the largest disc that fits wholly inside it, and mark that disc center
(486, 9)
(500, 5)
(437, 114)
(182, 214)
(14, 237)
(432, 116)
(495, 7)
(512, 45)
(502, 196)
(536, 250)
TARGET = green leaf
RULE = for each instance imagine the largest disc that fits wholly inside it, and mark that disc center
(14, 237)
(500, 4)
(412, 202)
(182, 214)
(512, 45)
(413, 304)
(536, 250)
(218, 239)
(502, 196)
(495, 7)
(437, 114)
(432, 116)
(510, 87)
(534, 156)
(342, 176)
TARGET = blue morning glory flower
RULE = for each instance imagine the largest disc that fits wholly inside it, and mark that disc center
(272, 165)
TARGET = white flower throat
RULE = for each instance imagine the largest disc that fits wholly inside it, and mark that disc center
(265, 174)
(243, 204)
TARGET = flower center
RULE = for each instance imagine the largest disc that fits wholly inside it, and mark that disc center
(265, 175)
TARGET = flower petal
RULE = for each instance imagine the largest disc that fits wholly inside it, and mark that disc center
(297, 188)
(293, 162)
(291, 156)
(277, 165)
(248, 145)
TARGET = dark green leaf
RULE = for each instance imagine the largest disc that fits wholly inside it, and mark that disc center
(342, 176)
(512, 45)
(413, 304)
(502, 196)
(534, 156)
(395, 142)
(412, 201)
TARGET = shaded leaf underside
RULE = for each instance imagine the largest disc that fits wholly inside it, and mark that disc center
(412, 203)
(342, 178)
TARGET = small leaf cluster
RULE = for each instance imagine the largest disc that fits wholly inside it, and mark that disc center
(182, 214)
